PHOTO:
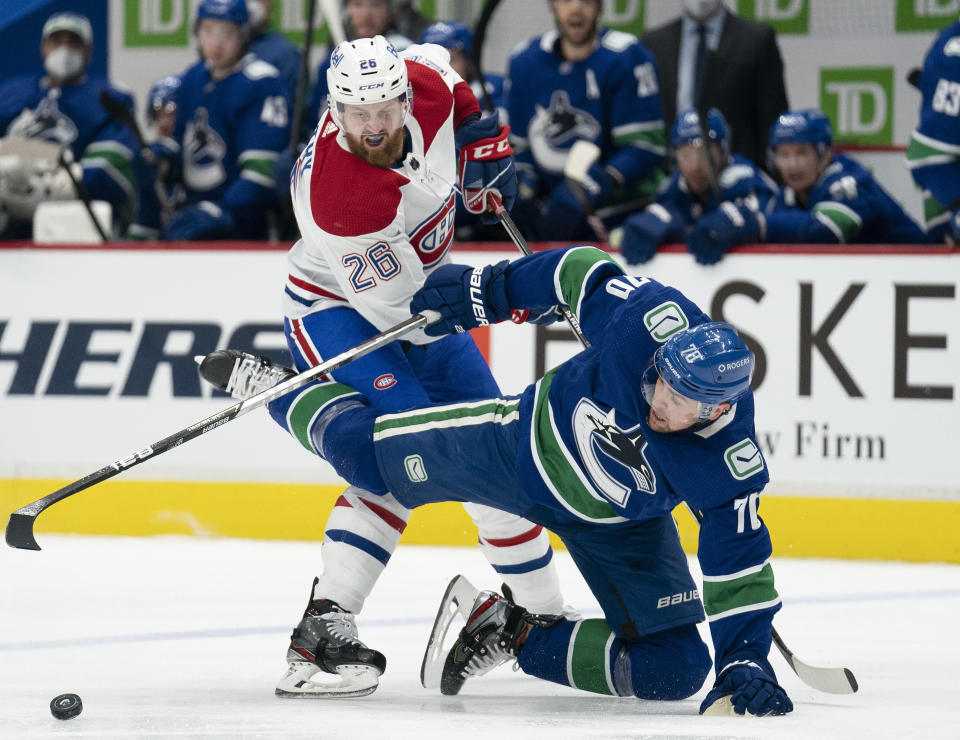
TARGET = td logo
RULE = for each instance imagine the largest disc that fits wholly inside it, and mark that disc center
(925, 15)
(624, 15)
(785, 16)
(859, 101)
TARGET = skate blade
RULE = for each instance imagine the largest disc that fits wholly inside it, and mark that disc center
(458, 599)
(349, 681)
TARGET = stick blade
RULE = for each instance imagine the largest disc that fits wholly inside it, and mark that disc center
(827, 680)
(20, 531)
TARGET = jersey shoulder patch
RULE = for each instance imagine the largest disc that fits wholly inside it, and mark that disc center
(349, 197)
(618, 40)
(255, 68)
(743, 459)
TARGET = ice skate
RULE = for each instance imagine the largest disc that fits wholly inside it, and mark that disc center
(241, 374)
(326, 641)
(492, 636)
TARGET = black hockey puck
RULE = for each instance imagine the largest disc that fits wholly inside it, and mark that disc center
(66, 706)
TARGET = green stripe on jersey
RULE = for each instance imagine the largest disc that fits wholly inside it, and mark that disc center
(724, 596)
(497, 411)
(588, 662)
(114, 159)
(840, 219)
(651, 139)
(308, 405)
(558, 468)
(923, 150)
(574, 270)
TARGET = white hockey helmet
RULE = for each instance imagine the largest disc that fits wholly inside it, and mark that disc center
(365, 71)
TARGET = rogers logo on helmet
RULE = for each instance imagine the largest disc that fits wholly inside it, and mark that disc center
(733, 365)
(384, 381)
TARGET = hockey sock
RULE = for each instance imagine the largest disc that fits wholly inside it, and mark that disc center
(520, 553)
(362, 533)
(667, 665)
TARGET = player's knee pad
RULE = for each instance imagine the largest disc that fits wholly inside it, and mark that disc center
(666, 666)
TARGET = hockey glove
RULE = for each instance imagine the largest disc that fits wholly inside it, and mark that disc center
(751, 686)
(486, 164)
(465, 297)
(723, 228)
(565, 212)
(644, 232)
(203, 220)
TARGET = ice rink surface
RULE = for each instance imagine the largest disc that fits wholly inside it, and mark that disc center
(186, 637)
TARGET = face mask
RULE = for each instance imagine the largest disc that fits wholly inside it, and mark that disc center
(257, 13)
(64, 62)
(700, 9)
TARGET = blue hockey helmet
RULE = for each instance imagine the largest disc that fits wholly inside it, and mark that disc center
(811, 126)
(232, 11)
(708, 363)
(162, 95)
(686, 129)
(452, 35)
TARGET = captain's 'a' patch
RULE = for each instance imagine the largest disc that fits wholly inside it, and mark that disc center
(743, 459)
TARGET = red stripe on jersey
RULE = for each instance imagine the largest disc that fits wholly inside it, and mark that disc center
(531, 534)
(464, 103)
(350, 197)
(432, 100)
(316, 289)
(303, 343)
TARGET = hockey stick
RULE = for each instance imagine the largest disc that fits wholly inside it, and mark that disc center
(20, 525)
(827, 680)
(303, 79)
(581, 157)
(479, 37)
(511, 228)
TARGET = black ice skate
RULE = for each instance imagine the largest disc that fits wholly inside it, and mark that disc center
(326, 640)
(241, 374)
(492, 636)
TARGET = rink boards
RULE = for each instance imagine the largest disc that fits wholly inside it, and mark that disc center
(858, 368)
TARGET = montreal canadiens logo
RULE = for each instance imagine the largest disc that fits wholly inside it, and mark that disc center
(433, 236)
(385, 381)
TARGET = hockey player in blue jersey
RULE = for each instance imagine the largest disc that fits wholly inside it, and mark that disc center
(657, 411)
(827, 198)
(689, 193)
(160, 191)
(63, 107)
(933, 155)
(232, 120)
(581, 82)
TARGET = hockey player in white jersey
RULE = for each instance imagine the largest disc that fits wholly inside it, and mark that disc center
(374, 194)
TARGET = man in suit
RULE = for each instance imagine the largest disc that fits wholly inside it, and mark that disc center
(710, 57)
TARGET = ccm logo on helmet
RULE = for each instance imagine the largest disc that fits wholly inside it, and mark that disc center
(723, 367)
(370, 87)
(385, 381)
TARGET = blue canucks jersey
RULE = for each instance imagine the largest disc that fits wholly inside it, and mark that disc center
(276, 49)
(741, 182)
(611, 98)
(587, 451)
(846, 206)
(933, 155)
(230, 132)
(73, 117)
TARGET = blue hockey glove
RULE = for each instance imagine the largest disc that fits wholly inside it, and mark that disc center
(466, 297)
(752, 687)
(486, 163)
(203, 220)
(564, 214)
(528, 181)
(644, 232)
(722, 228)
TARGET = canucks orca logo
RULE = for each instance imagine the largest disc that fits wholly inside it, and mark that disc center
(553, 130)
(613, 457)
(46, 123)
(203, 153)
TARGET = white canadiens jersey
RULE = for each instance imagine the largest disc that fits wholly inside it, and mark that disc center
(369, 235)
